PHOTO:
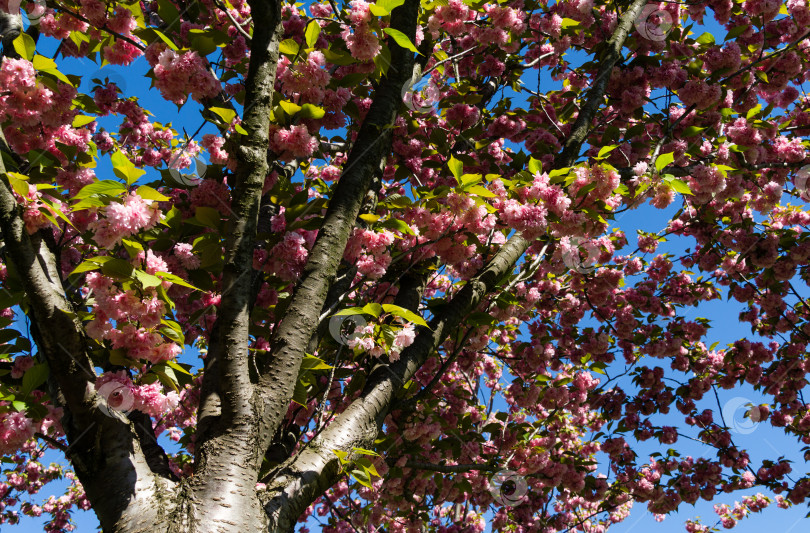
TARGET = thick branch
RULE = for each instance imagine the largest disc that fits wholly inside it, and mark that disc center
(228, 452)
(280, 372)
(105, 450)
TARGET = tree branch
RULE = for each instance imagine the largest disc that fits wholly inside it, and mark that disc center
(280, 371)
(228, 454)
(105, 450)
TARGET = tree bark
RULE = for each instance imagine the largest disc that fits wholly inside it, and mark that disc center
(279, 372)
(128, 494)
(228, 451)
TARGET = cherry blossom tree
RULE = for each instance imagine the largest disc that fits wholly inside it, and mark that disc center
(395, 296)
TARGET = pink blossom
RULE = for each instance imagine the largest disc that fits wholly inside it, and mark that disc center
(177, 76)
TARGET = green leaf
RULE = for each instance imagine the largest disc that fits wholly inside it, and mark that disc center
(368, 466)
(390, 5)
(289, 107)
(664, 160)
(8, 335)
(349, 311)
(207, 216)
(54, 209)
(169, 13)
(148, 193)
(85, 266)
(480, 318)
(119, 358)
(312, 111)
(680, 186)
(177, 280)
(34, 377)
(569, 23)
(227, 115)
(52, 71)
(310, 362)
(481, 191)
(288, 47)
(363, 451)
(378, 11)
(300, 393)
(691, 131)
(373, 309)
(162, 36)
(605, 150)
(43, 63)
(469, 179)
(125, 169)
(312, 33)
(535, 166)
(724, 169)
(133, 248)
(101, 188)
(19, 182)
(398, 225)
(338, 58)
(173, 330)
(25, 46)
(401, 39)
(341, 455)
(706, 38)
(166, 376)
(183, 369)
(82, 120)
(401, 312)
(117, 268)
(456, 167)
(147, 280)
(362, 477)
(736, 31)
(753, 111)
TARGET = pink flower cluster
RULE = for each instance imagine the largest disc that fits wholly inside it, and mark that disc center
(35, 207)
(215, 146)
(307, 77)
(16, 428)
(359, 37)
(365, 340)
(369, 251)
(124, 219)
(293, 142)
(34, 114)
(286, 259)
(699, 94)
(178, 76)
(148, 399)
(127, 309)
(450, 18)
